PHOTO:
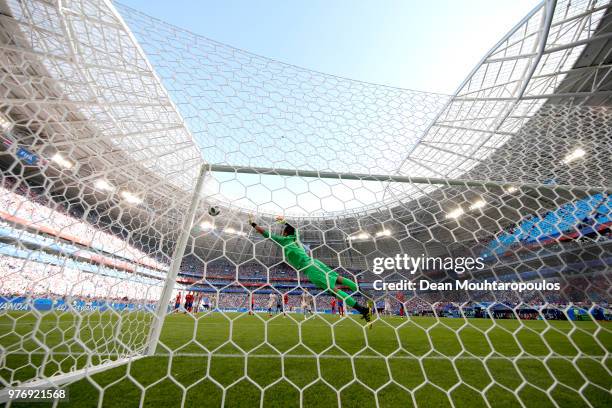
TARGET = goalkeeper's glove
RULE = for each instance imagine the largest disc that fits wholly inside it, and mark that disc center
(251, 221)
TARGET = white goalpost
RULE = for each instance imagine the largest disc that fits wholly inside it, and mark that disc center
(179, 252)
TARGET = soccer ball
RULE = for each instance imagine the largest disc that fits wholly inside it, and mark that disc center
(213, 211)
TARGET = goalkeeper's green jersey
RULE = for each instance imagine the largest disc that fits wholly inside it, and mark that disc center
(295, 254)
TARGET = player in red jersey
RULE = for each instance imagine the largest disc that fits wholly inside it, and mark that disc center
(401, 298)
(177, 302)
(285, 304)
(188, 302)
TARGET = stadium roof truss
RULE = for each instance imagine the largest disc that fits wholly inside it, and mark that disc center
(111, 85)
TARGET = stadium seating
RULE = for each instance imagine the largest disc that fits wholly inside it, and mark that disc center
(21, 206)
(569, 221)
(27, 277)
(88, 281)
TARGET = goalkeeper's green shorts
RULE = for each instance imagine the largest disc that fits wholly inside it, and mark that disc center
(321, 275)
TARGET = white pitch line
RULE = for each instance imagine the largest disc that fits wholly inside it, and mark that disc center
(334, 357)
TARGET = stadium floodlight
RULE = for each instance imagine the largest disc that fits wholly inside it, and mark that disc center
(207, 225)
(383, 233)
(104, 185)
(511, 189)
(574, 155)
(360, 236)
(478, 204)
(233, 231)
(456, 213)
(5, 124)
(58, 158)
(130, 197)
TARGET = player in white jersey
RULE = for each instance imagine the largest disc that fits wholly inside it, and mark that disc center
(271, 303)
(388, 310)
(305, 304)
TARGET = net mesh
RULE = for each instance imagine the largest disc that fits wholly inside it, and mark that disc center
(118, 283)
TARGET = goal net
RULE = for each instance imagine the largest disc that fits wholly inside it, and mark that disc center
(475, 227)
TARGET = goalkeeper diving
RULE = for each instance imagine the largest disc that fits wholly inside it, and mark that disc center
(316, 271)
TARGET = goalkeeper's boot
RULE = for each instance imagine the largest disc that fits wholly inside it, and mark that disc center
(365, 312)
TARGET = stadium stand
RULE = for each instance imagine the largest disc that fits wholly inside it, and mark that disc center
(570, 221)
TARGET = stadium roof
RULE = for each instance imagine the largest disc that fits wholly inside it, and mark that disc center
(144, 104)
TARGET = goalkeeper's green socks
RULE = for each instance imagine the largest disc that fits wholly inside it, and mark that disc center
(351, 285)
(348, 299)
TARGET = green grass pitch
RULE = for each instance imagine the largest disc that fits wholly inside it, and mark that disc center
(244, 361)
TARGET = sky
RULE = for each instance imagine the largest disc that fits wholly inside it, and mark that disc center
(422, 45)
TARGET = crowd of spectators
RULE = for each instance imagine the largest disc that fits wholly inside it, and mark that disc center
(192, 266)
(19, 277)
(577, 291)
(22, 277)
(585, 220)
(242, 300)
(20, 202)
